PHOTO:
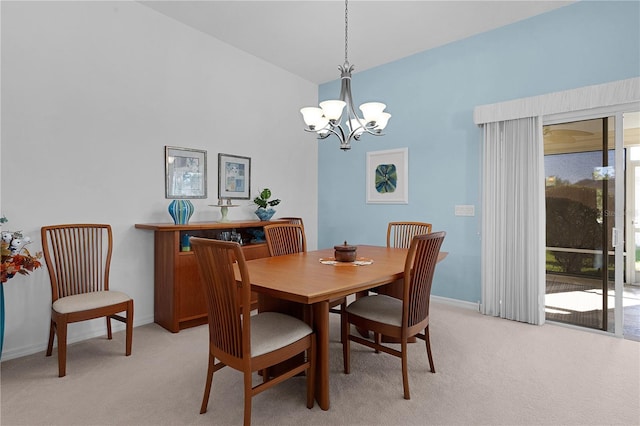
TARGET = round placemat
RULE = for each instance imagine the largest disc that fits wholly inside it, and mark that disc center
(360, 261)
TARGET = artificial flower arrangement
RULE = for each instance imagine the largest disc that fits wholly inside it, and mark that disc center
(16, 259)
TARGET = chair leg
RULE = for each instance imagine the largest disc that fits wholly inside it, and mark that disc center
(377, 337)
(405, 373)
(207, 386)
(428, 344)
(52, 330)
(346, 345)
(311, 374)
(129, 332)
(61, 331)
(343, 310)
(248, 394)
(109, 334)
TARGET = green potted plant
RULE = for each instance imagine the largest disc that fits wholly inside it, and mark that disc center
(264, 211)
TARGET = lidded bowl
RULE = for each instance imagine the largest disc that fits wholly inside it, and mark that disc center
(345, 252)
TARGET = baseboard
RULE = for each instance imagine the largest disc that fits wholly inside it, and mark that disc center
(455, 302)
(585, 329)
(41, 347)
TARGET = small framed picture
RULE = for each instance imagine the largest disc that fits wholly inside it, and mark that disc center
(234, 177)
(185, 173)
(388, 176)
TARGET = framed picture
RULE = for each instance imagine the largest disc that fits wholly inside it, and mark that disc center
(388, 176)
(185, 172)
(234, 177)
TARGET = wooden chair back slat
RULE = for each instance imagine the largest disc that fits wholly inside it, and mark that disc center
(78, 257)
(285, 238)
(400, 234)
(419, 270)
(216, 266)
(293, 220)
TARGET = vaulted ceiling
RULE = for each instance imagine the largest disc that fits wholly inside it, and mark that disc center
(307, 37)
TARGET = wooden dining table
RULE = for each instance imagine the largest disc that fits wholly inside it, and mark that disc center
(308, 279)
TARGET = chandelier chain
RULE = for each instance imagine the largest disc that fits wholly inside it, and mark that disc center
(346, 30)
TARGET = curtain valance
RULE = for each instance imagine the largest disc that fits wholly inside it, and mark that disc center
(583, 98)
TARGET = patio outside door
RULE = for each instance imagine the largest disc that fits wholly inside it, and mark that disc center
(580, 215)
(632, 265)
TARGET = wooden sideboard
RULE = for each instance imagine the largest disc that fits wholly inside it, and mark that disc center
(178, 295)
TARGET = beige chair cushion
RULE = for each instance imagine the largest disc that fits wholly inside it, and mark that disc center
(273, 330)
(379, 308)
(83, 302)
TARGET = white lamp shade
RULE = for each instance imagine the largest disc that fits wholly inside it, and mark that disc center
(372, 110)
(323, 132)
(332, 109)
(322, 126)
(382, 120)
(312, 116)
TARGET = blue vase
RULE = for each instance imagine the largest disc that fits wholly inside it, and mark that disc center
(1, 317)
(185, 244)
(181, 211)
(265, 214)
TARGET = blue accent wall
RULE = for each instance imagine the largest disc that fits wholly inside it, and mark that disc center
(431, 96)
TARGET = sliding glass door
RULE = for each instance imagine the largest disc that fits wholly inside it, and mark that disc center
(632, 240)
(580, 191)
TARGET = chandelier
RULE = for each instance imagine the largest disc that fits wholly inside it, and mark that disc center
(332, 118)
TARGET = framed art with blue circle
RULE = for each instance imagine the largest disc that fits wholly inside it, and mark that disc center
(388, 176)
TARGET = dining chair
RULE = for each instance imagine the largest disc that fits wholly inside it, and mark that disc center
(245, 342)
(400, 234)
(78, 258)
(286, 238)
(399, 319)
(293, 220)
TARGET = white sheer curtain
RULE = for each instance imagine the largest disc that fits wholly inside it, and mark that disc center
(513, 220)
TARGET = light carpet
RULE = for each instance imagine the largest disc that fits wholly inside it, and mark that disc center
(489, 372)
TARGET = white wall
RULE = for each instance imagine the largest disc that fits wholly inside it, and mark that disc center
(91, 94)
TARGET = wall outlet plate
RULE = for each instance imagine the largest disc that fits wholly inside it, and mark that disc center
(465, 210)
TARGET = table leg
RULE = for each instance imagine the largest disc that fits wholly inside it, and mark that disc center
(321, 325)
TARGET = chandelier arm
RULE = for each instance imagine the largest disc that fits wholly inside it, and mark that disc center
(371, 130)
(345, 141)
(347, 144)
(347, 97)
(330, 130)
(340, 135)
(315, 131)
